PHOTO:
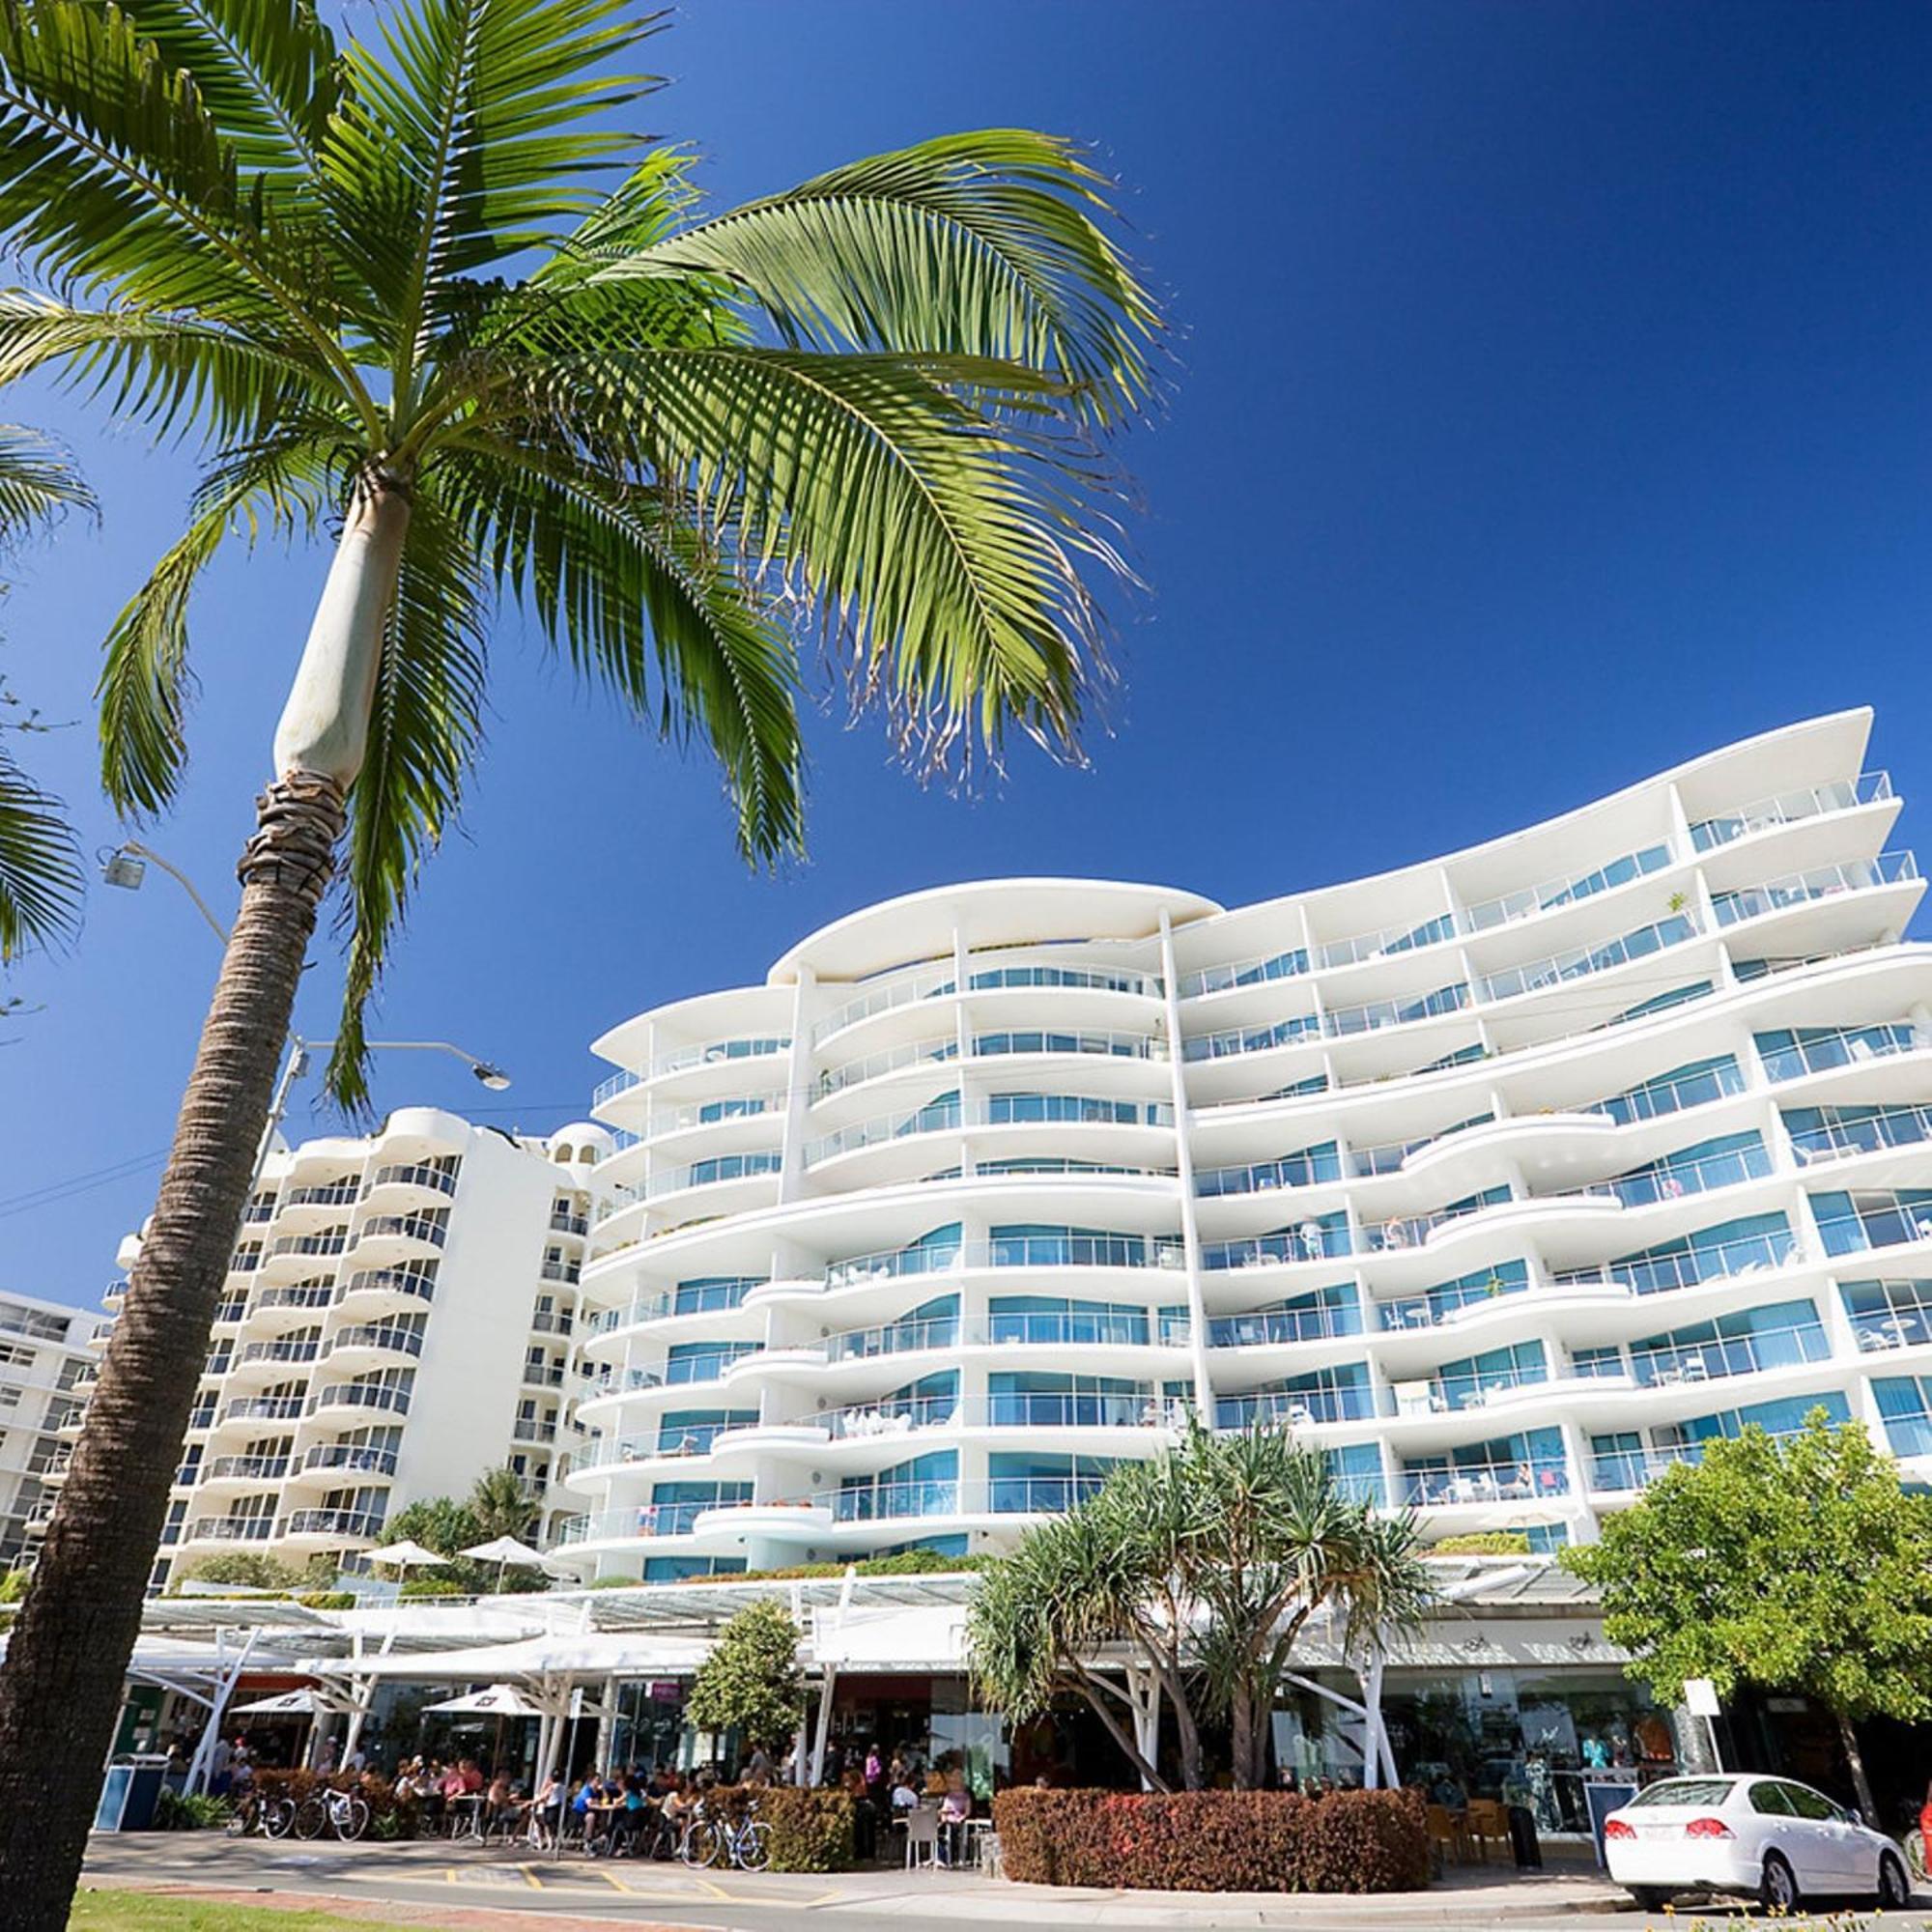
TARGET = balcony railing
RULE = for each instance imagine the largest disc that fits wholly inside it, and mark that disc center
(934, 983)
(1882, 1227)
(1390, 940)
(1529, 1480)
(230, 1529)
(411, 1227)
(1310, 1243)
(1789, 806)
(1728, 1356)
(261, 1408)
(330, 1194)
(1746, 1254)
(355, 1524)
(709, 1053)
(1293, 1408)
(248, 1468)
(413, 1174)
(1678, 1179)
(305, 1294)
(277, 1351)
(1818, 882)
(528, 1429)
(1014, 1496)
(713, 1113)
(327, 1241)
(1624, 1470)
(355, 1458)
(1870, 1133)
(1279, 1325)
(1843, 1048)
(377, 1335)
(393, 1281)
(1579, 962)
(570, 1273)
(359, 1395)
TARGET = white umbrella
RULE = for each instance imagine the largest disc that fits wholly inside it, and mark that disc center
(502, 1552)
(404, 1555)
(289, 1704)
(494, 1701)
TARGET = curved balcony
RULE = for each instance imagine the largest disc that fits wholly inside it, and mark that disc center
(257, 1408)
(292, 1305)
(369, 1344)
(1126, 1055)
(317, 1205)
(334, 1459)
(342, 1398)
(387, 1290)
(243, 1469)
(230, 1529)
(707, 1059)
(274, 1359)
(291, 1257)
(401, 1185)
(399, 1238)
(330, 1525)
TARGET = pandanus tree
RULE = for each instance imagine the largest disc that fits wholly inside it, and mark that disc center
(1181, 1587)
(422, 296)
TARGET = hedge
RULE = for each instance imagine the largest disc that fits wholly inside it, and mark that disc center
(813, 1830)
(389, 1816)
(1214, 1841)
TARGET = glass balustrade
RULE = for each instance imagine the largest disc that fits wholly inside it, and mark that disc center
(1651, 1274)
(1787, 808)
(1528, 900)
(1791, 1054)
(1844, 1133)
(1580, 963)
(1817, 882)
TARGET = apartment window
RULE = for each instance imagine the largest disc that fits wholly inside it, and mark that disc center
(13, 1355)
(10, 1395)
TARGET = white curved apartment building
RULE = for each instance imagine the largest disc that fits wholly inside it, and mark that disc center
(1505, 1177)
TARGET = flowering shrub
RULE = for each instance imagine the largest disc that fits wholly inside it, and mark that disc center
(1214, 1841)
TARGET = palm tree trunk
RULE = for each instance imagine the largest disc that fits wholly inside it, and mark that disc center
(60, 1686)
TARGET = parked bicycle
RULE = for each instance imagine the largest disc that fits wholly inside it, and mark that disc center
(342, 1813)
(262, 1812)
(744, 1843)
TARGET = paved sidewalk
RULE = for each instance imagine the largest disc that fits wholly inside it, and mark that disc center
(430, 1883)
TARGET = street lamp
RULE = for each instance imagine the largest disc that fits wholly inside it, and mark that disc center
(127, 865)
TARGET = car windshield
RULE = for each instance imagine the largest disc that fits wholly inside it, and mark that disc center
(1686, 1791)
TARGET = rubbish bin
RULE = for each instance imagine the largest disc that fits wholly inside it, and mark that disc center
(1523, 1838)
(128, 1792)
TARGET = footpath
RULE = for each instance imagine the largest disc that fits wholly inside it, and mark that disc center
(503, 1890)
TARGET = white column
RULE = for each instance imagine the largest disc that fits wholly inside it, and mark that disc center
(798, 1087)
(1190, 1229)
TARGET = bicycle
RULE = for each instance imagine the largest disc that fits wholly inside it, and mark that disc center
(744, 1843)
(341, 1811)
(272, 1817)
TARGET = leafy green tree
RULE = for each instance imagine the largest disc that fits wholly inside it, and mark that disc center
(423, 297)
(1798, 1564)
(13, 1586)
(751, 1682)
(245, 1569)
(1204, 1566)
(441, 1523)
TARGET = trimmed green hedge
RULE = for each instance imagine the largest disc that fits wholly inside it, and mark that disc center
(813, 1830)
(1214, 1841)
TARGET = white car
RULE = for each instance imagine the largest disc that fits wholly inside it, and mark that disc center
(1769, 1837)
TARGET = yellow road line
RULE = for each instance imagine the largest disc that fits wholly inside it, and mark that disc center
(530, 1878)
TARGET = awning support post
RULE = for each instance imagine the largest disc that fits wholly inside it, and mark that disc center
(823, 1736)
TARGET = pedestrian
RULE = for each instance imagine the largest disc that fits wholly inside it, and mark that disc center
(220, 1775)
(326, 1756)
(758, 1769)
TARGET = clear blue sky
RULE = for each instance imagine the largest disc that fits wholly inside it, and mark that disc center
(1554, 403)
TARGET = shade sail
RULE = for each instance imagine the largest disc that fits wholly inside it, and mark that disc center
(406, 1555)
(507, 1550)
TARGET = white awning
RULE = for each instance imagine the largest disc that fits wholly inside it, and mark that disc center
(615, 1654)
(927, 1638)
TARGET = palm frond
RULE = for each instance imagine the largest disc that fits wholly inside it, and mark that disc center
(983, 244)
(38, 482)
(464, 140)
(169, 372)
(643, 602)
(145, 681)
(930, 509)
(40, 865)
(423, 735)
(267, 69)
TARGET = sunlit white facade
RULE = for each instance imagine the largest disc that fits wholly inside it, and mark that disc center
(44, 1352)
(1506, 1179)
(397, 1320)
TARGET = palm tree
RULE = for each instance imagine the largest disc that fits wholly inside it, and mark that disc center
(423, 294)
(39, 872)
(501, 1503)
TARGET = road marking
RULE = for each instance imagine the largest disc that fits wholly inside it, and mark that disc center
(530, 1878)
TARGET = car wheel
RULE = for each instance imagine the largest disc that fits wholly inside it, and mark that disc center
(1650, 1897)
(1894, 1889)
(1778, 1892)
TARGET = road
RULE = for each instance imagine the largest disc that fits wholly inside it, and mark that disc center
(436, 1875)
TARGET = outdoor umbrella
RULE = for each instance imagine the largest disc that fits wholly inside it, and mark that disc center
(289, 1704)
(494, 1701)
(404, 1555)
(502, 1552)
